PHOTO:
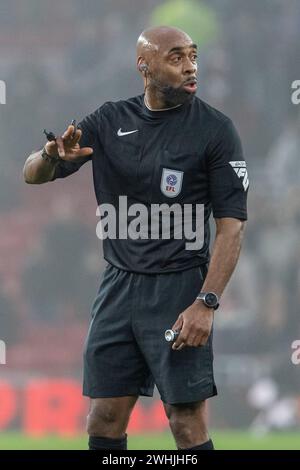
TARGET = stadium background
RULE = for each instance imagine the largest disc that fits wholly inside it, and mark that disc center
(61, 59)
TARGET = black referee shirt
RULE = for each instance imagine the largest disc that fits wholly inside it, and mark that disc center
(191, 154)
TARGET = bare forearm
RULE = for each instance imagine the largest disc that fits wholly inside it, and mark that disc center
(225, 254)
(38, 171)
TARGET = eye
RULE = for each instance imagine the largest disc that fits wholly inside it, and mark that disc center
(194, 57)
(176, 59)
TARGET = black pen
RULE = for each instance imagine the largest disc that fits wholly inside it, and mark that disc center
(73, 123)
(50, 136)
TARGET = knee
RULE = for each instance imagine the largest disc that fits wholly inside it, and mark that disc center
(187, 423)
(181, 428)
(102, 420)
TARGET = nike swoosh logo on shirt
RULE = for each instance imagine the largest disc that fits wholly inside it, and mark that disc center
(120, 133)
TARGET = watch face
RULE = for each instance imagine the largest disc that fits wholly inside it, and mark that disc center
(211, 299)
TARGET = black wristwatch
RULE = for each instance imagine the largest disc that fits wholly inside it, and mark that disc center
(210, 299)
(47, 158)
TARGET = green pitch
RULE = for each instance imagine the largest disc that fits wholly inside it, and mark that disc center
(223, 440)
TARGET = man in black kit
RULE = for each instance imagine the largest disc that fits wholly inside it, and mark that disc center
(170, 153)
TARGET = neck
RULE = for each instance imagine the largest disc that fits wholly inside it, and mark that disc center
(156, 104)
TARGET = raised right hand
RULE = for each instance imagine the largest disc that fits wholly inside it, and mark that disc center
(67, 146)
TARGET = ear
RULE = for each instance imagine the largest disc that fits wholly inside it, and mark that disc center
(142, 66)
(139, 62)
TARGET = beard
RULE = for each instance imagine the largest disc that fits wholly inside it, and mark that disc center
(171, 96)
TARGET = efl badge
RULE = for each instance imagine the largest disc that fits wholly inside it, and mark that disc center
(171, 182)
(241, 171)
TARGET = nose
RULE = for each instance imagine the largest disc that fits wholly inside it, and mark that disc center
(189, 67)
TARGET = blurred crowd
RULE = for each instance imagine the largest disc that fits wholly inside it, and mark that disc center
(61, 60)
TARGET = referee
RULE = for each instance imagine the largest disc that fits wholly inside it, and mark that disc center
(164, 149)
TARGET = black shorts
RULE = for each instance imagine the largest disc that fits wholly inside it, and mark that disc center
(126, 352)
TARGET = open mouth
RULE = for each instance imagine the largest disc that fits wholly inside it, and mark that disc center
(190, 85)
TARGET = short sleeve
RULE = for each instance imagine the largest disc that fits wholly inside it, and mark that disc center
(89, 128)
(227, 171)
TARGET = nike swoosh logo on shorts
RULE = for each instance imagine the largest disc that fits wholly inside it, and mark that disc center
(120, 133)
(198, 382)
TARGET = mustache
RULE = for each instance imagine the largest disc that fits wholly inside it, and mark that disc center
(167, 89)
(189, 80)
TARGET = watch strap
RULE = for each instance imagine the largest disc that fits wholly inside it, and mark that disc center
(47, 158)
